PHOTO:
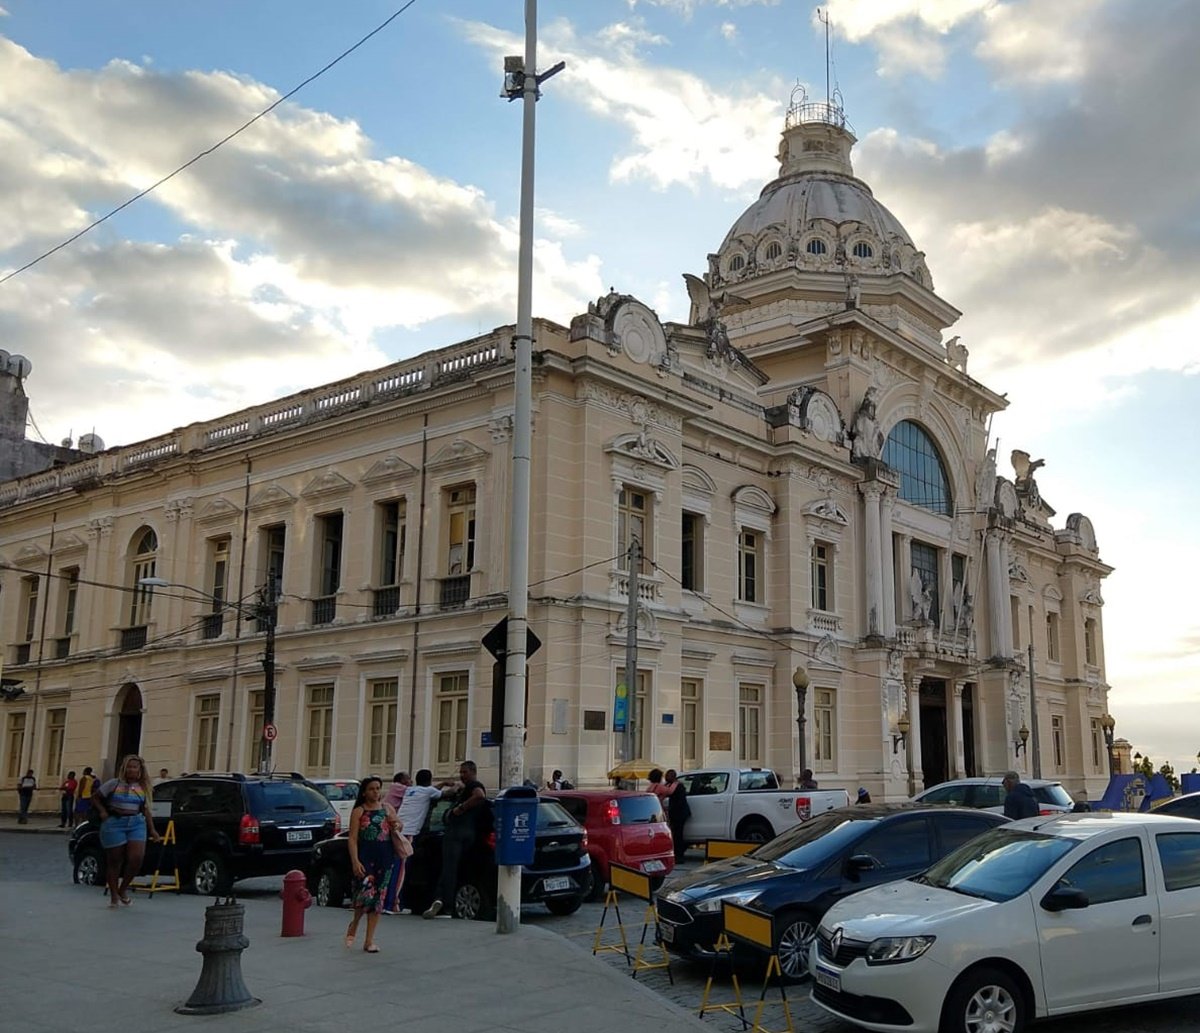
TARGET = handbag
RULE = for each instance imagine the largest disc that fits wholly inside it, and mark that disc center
(402, 846)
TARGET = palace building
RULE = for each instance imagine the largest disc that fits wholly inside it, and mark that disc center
(805, 466)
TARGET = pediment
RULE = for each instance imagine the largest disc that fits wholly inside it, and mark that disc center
(218, 510)
(389, 468)
(28, 553)
(271, 496)
(459, 452)
(328, 483)
(827, 652)
(697, 481)
(68, 542)
(827, 509)
(1052, 593)
(642, 448)
(752, 497)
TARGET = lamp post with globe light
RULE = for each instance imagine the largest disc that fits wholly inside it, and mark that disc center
(1107, 724)
(800, 682)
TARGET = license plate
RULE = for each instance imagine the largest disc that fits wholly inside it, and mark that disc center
(560, 882)
(653, 866)
(666, 932)
(299, 835)
(829, 980)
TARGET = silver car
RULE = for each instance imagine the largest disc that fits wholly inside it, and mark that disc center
(988, 794)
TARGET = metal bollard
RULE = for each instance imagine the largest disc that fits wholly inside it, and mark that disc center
(221, 988)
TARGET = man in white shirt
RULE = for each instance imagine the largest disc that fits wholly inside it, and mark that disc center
(412, 812)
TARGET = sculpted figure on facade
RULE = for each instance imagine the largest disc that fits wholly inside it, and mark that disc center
(921, 597)
(985, 483)
(956, 354)
(867, 435)
(707, 306)
(1025, 468)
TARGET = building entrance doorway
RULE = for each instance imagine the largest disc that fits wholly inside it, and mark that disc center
(968, 730)
(934, 760)
(129, 722)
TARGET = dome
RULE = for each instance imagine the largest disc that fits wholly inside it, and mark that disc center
(817, 215)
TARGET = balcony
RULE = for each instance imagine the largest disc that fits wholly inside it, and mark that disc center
(824, 622)
(455, 591)
(213, 625)
(133, 638)
(22, 653)
(387, 601)
(324, 609)
(62, 647)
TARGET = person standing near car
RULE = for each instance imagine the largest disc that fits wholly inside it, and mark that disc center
(123, 804)
(83, 795)
(412, 812)
(678, 812)
(372, 823)
(25, 790)
(462, 825)
(66, 803)
(1019, 801)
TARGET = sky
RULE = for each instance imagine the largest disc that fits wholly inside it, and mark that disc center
(1041, 152)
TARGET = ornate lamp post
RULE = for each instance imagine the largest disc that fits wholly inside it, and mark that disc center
(1021, 743)
(1107, 724)
(800, 681)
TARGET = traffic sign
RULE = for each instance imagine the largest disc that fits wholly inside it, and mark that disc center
(496, 640)
(270, 733)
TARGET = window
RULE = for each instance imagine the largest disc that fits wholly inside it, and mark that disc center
(691, 567)
(392, 539)
(1179, 853)
(774, 250)
(56, 728)
(30, 590)
(898, 846)
(633, 517)
(255, 716)
(750, 724)
(640, 738)
(816, 247)
(863, 250)
(144, 561)
(958, 589)
(951, 794)
(460, 554)
(1052, 653)
(825, 730)
(751, 781)
(453, 691)
(737, 263)
(70, 581)
(1097, 743)
(319, 737)
(957, 829)
(1014, 605)
(923, 481)
(1089, 641)
(208, 720)
(1110, 872)
(330, 536)
(822, 583)
(1057, 735)
(925, 566)
(274, 543)
(218, 580)
(691, 731)
(384, 698)
(749, 544)
(14, 743)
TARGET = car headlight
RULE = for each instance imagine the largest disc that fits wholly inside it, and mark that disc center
(714, 903)
(891, 950)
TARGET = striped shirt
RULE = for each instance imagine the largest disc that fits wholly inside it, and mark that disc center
(123, 798)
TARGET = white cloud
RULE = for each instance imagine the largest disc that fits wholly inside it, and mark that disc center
(729, 32)
(1029, 43)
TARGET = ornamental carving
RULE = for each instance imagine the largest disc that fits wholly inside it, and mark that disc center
(643, 448)
(639, 410)
(638, 332)
(827, 509)
(389, 468)
(176, 509)
(814, 411)
(329, 483)
(101, 527)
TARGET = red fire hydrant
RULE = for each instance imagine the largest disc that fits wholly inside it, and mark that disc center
(296, 900)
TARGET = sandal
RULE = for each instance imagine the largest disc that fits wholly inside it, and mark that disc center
(372, 949)
(350, 939)
(126, 900)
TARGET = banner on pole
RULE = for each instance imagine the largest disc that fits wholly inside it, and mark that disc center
(621, 708)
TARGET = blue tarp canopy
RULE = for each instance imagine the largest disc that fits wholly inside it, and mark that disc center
(1133, 792)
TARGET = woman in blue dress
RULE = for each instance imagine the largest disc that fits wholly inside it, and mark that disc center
(372, 824)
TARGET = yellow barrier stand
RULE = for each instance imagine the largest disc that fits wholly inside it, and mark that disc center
(610, 901)
(154, 887)
(720, 849)
(723, 953)
(755, 928)
(629, 880)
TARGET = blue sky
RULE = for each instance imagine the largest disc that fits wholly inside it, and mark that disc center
(1041, 152)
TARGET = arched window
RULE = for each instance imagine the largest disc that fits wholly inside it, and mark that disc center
(863, 250)
(816, 246)
(923, 481)
(144, 557)
(774, 250)
(736, 264)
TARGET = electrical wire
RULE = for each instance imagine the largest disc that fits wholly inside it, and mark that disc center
(209, 150)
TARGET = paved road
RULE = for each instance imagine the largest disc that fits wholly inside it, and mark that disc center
(38, 858)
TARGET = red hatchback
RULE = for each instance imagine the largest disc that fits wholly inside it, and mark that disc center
(625, 827)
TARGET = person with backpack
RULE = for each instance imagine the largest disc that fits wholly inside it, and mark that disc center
(122, 804)
(678, 812)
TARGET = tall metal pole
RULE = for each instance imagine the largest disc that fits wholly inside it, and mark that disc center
(512, 754)
(270, 610)
(631, 651)
(1033, 714)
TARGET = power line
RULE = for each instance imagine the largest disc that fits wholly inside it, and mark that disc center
(205, 153)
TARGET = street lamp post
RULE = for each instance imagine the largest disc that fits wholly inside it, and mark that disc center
(800, 681)
(1107, 724)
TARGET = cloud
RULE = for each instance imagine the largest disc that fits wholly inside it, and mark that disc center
(729, 32)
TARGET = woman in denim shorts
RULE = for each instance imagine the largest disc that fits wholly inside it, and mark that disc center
(123, 803)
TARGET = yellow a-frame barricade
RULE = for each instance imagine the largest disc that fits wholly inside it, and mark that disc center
(720, 849)
(629, 880)
(754, 928)
(169, 842)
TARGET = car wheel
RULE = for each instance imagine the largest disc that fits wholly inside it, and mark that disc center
(471, 902)
(331, 889)
(596, 885)
(564, 905)
(89, 867)
(984, 1000)
(210, 875)
(796, 932)
(757, 831)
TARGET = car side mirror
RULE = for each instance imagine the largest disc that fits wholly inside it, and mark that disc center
(1064, 898)
(860, 863)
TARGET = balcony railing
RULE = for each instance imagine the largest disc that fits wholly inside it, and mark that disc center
(324, 609)
(22, 653)
(387, 601)
(133, 638)
(455, 591)
(214, 624)
(62, 647)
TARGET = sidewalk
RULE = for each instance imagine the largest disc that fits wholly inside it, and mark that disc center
(71, 965)
(40, 822)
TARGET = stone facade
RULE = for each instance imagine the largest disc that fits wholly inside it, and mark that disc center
(749, 453)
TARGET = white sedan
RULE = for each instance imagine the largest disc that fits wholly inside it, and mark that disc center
(1041, 917)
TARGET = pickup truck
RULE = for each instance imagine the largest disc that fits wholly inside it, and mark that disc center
(747, 804)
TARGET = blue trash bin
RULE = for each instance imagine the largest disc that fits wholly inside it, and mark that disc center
(515, 811)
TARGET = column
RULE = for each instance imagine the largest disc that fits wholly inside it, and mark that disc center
(889, 565)
(903, 568)
(957, 751)
(1006, 626)
(916, 780)
(874, 574)
(997, 596)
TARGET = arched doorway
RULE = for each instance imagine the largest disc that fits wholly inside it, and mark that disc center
(129, 721)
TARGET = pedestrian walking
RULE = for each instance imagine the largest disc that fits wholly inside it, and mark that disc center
(394, 797)
(678, 812)
(125, 825)
(66, 802)
(371, 855)
(863, 795)
(83, 795)
(464, 822)
(806, 780)
(1019, 801)
(412, 813)
(26, 787)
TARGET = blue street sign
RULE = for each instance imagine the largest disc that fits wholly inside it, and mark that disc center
(621, 708)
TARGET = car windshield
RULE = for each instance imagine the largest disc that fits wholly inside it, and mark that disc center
(812, 842)
(291, 798)
(1054, 794)
(639, 810)
(999, 865)
(339, 790)
(551, 815)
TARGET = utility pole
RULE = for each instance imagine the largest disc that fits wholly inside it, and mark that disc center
(520, 80)
(631, 612)
(269, 611)
(1033, 715)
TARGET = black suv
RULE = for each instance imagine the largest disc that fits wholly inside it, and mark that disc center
(560, 876)
(227, 827)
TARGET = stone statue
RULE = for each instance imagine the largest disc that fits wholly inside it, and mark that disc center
(707, 306)
(1025, 468)
(985, 485)
(853, 292)
(867, 438)
(956, 354)
(920, 597)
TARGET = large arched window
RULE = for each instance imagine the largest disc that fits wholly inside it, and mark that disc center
(144, 555)
(923, 481)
